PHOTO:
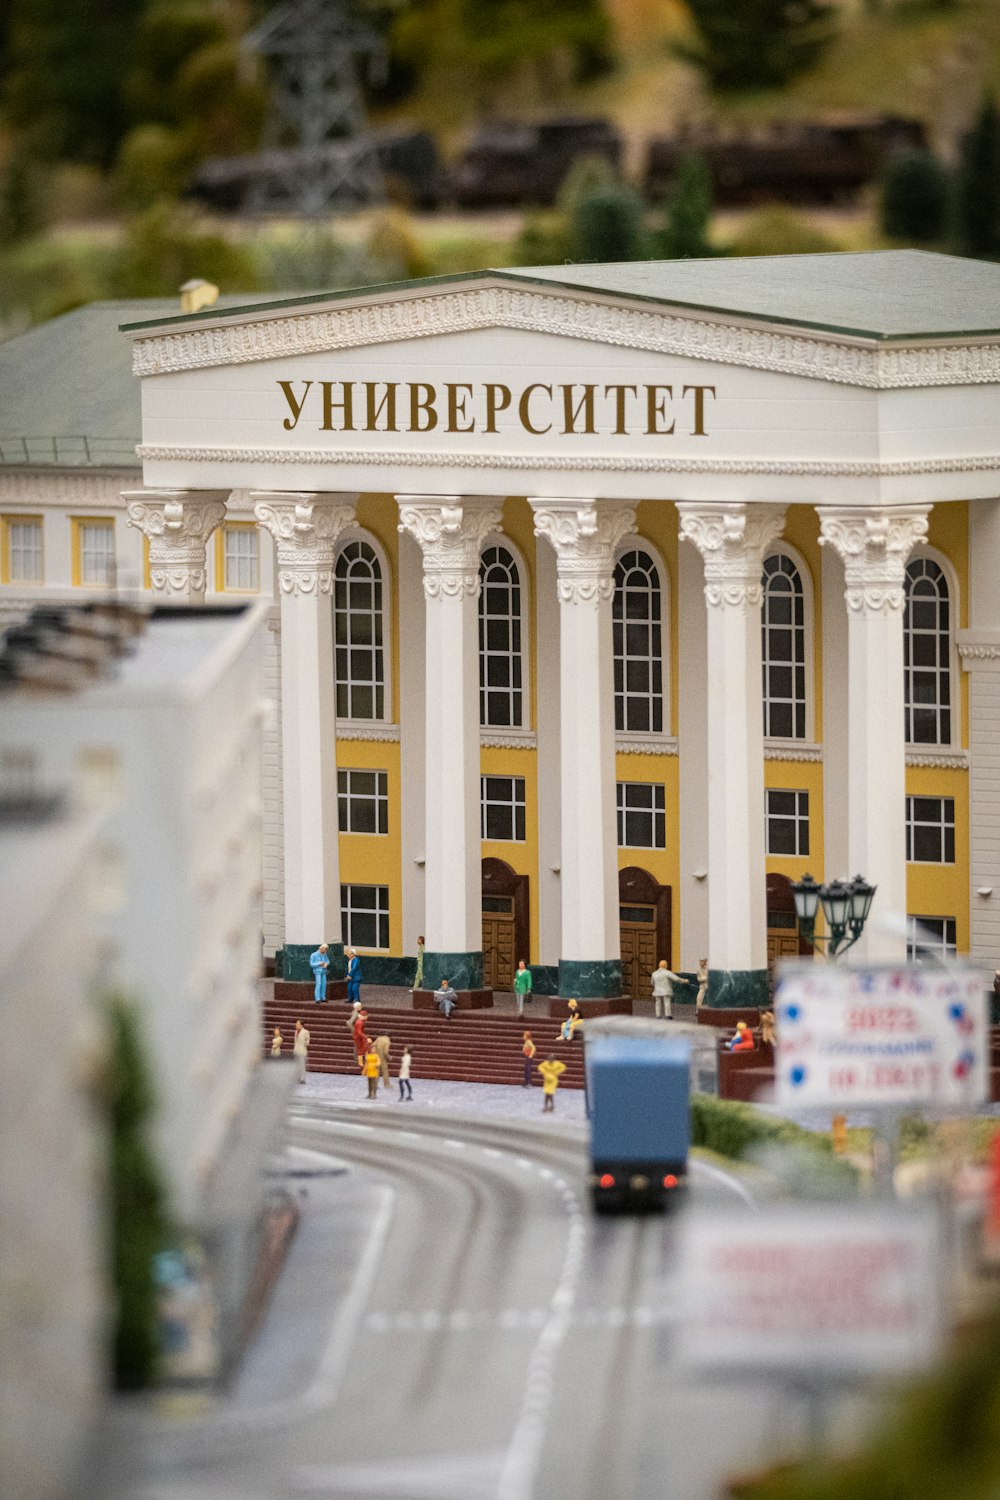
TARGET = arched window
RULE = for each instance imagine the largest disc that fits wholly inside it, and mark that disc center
(783, 649)
(357, 612)
(638, 644)
(501, 692)
(927, 654)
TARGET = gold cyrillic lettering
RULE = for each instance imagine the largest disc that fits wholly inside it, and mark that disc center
(497, 400)
(620, 392)
(523, 409)
(386, 405)
(456, 407)
(585, 404)
(654, 410)
(699, 407)
(294, 406)
(346, 405)
(426, 406)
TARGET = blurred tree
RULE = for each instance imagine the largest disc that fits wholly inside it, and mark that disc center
(476, 48)
(977, 186)
(163, 248)
(689, 211)
(780, 231)
(20, 205)
(64, 65)
(915, 196)
(758, 44)
(608, 225)
(138, 1213)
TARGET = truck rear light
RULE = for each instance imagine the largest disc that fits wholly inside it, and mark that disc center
(670, 1180)
(606, 1181)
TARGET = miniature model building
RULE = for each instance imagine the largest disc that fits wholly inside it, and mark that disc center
(606, 599)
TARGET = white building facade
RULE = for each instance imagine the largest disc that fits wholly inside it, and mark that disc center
(692, 559)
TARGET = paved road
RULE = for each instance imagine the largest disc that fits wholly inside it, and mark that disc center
(454, 1324)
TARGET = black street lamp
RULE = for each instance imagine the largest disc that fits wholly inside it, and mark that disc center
(846, 905)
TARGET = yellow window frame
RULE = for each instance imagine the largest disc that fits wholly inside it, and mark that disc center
(78, 523)
(220, 556)
(13, 519)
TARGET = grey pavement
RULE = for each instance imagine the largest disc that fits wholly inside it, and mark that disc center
(487, 1100)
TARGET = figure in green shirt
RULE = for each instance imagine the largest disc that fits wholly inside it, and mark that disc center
(522, 986)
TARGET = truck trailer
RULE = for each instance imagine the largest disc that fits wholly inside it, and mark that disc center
(638, 1095)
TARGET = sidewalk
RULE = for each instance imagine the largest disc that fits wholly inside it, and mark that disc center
(480, 1099)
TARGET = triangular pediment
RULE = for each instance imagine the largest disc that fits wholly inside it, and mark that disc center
(401, 315)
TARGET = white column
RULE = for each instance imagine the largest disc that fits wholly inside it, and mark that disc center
(692, 745)
(305, 527)
(412, 739)
(177, 524)
(979, 648)
(548, 756)
(874, 545)
(449, 530)
(732, 538)
(584, 534)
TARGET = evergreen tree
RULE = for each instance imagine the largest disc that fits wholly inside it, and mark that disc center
(20, 209)
(977, 187)
(915, 198)
(758, 44)
(138, 1220)
(689, 211)
(607, 225)
(65, 64)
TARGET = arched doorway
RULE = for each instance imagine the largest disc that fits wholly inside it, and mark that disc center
(506, 923)
(783, 939)
(644, 919)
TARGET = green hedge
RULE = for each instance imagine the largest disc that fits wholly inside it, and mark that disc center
(732, 1129)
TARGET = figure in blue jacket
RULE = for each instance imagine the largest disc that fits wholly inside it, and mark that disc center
(319, 963)
(353, 976)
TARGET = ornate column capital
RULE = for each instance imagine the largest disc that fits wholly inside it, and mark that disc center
(874, 545)
(732, 538)
(584, 534)
(306, 527)
(177, 524)
(449, 530)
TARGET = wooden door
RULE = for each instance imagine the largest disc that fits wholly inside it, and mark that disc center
(498, 943)
(639, 948)
(781, 944)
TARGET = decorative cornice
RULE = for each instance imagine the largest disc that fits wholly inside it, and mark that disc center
(177, 525)
(305, 527)
(978, 645)
(495, 739)
(732, 538)
(789, 750)
(645, 744)
(560, 463)
(957, 760)
(46, 487)
(363, 729)
(874, 546)
(584, 534)
(832, 357)
(449, 531)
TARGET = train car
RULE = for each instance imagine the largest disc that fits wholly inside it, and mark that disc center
(638, 1096)
(508, 163)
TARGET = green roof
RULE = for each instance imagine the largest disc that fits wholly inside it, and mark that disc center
(887, 294)
(67, 393)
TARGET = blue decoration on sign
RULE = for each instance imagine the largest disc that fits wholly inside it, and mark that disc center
(798, 1075)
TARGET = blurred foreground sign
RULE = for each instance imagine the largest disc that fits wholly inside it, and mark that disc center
(881, 1037)
(826, 1291)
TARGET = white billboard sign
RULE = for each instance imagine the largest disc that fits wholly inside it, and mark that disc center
(822, 1291)
(890, 1038)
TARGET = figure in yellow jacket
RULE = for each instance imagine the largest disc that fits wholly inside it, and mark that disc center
(551, 1070)
(373, 1065)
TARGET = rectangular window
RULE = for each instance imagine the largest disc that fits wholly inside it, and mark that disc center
(502, 808)
(930, 830)
(364, 910)
(240, 572)
(22, 549)
(931, 937)
(363, 801)
(787, 816)
(93, 553)
(641, 816)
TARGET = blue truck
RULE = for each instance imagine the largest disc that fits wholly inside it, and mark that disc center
(638, 1100)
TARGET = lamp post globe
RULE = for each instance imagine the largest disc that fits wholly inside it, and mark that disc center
(806, 893)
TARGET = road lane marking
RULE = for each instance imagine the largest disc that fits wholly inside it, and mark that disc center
(739, 1188)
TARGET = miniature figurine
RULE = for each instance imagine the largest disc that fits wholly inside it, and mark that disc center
(551, 1071)
(522, 986)
(300, 1048)
(529, 1049)
(663, 980)
(319, 963)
